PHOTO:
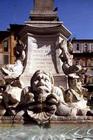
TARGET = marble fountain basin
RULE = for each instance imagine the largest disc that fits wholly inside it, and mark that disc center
(59, 129)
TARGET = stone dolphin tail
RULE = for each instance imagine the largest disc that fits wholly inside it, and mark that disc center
(13, 70)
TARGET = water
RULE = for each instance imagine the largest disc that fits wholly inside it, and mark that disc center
(55, 132)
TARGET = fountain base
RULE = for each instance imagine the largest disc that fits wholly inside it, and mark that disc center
(53, 120)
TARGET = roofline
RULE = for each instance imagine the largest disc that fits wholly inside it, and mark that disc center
(82, 40)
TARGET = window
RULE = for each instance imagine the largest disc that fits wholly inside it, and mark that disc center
(77, 47)
(5, 46)
(86, 48)
(6, 59)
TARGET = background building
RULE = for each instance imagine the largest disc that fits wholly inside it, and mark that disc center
(83, 55)
(8, 40)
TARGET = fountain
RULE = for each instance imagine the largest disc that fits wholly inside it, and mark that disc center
(43, 87)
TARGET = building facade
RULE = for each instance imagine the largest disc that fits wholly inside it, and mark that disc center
(83, 55)
(8, 40)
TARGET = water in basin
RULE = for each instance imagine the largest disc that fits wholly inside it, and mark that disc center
(54, 132)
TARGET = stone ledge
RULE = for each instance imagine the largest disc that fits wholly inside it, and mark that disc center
(53, 120)
(69, 119)
(11, 120)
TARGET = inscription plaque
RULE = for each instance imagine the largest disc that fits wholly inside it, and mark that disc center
(41, 55)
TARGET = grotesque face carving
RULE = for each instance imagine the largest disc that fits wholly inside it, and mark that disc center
(41, 82)
(41, 85)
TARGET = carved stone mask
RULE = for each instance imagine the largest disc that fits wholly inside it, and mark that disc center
(41, 82)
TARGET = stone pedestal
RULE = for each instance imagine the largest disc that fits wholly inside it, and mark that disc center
(43, 51)
(42, 34)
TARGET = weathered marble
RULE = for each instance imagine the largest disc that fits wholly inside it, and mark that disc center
(43, 54)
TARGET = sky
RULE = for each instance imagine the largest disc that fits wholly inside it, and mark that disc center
(76, 15)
